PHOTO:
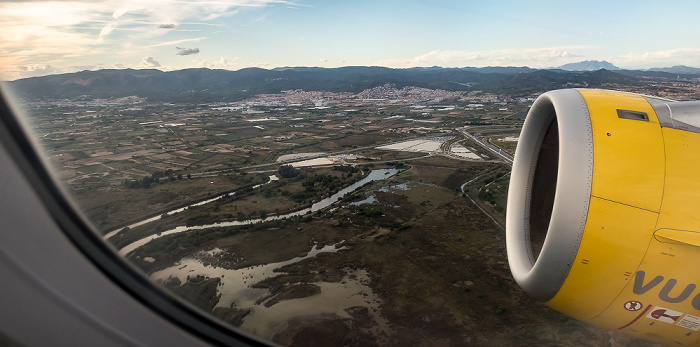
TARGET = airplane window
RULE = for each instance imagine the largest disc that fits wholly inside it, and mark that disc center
(314, 173)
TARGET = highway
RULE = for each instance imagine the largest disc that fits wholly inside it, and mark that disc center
(481, 129)
(487, 146)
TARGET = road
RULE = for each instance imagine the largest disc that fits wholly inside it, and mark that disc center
(318, 156)
(487, 146)
(444, 149)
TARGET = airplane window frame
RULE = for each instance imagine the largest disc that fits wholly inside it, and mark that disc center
(26, 155)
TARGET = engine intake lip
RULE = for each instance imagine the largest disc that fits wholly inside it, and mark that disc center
(542, 276)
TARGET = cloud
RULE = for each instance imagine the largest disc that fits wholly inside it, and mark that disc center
(176, 42)
(321, 60)
(35, 70)
(59, 33)
(167, 26)
(536, 57)
(106, 30)
(546, 57)
(36, 33)
(149, 62)
(186, 51)
(662, 58)
(221, 63)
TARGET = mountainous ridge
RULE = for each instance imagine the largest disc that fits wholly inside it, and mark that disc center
(677, 69)
(226, 85)
(588, 65)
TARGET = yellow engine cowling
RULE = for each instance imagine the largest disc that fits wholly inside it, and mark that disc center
(603, 219)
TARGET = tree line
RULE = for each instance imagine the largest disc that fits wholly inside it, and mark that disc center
(155, 178)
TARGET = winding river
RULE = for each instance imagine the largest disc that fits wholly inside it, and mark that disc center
(178, 210)
(374, 175)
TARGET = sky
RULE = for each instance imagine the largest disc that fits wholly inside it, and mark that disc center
(41, 37)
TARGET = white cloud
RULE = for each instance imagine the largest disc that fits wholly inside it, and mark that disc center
(221, 63)
(56, 33)
(663, 58)
(536, 57)
(106, 30)
(34, 70)
(177, 42)
(38, 70)
(545, 58)
(149, 62)
(33, 32)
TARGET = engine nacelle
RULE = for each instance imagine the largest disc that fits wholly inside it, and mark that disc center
(603, 218)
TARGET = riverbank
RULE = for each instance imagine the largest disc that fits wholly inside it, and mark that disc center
(374, 175)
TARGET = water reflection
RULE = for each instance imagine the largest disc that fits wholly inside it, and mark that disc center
(268, 316)
(374, 175)
(236, 285)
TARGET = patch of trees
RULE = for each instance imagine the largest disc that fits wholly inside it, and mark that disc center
(183, 242)
(370, 211)
(320, 181)
(200, 219)
(495, 178)
(346, 168)
(303, 196)
(399, 165)
(155, 178)
(353, 197)
(487, 195)
(315, 185)
(288, 171)
(319, 185)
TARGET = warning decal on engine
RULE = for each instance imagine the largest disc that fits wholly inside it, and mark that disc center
(664, 315)
(633, 305)
(689, 322)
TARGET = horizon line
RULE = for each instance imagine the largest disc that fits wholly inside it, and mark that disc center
(358, 66)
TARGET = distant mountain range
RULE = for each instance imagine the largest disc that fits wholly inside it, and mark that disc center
(588, 65)
(678, 69)
(206, 85)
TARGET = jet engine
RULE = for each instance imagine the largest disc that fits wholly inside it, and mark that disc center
(603, 218)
